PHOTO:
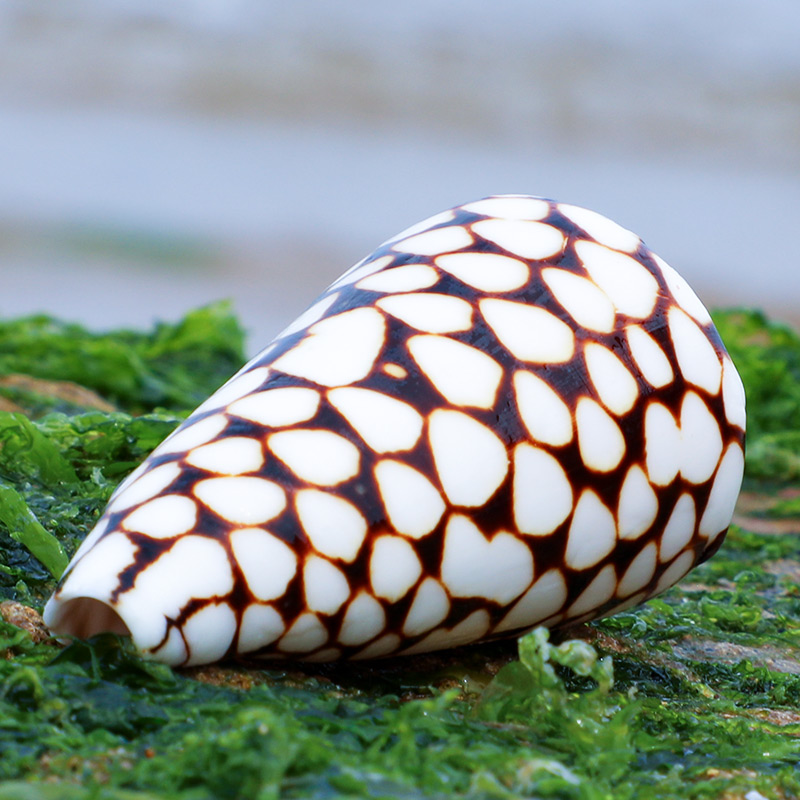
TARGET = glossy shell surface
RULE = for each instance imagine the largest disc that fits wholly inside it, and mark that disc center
(510, 414)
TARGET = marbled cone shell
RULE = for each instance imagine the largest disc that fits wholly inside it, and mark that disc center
(511, 414)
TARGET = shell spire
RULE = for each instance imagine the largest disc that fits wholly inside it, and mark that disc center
(511, 414)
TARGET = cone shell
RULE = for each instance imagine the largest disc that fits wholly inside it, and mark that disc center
(511, 414)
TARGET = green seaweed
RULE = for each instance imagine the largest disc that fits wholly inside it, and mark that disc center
(767, 355)
(172, 366)
(23, 527)
(695, 694)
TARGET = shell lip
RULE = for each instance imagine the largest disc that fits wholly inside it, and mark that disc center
(79, 613)
(82, 616)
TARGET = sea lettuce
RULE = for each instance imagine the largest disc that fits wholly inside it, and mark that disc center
(692, 695)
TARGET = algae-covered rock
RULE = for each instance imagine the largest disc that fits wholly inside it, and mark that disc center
(692, 695)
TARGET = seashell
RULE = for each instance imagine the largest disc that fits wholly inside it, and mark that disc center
(511, 414)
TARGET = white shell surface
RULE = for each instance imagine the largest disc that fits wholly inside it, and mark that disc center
(511, 413)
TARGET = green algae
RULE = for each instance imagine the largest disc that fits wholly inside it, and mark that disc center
(172, 366)
(694, 695)
(767, 355)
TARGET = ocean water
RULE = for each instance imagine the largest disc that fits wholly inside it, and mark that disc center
(157, 156)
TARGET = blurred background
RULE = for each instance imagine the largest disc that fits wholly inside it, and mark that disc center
(157, 156)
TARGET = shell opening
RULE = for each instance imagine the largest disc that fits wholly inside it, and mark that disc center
(83, 617)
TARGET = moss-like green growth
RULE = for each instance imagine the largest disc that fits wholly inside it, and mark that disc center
(693, 695)
(173, 366)
(767, 356)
